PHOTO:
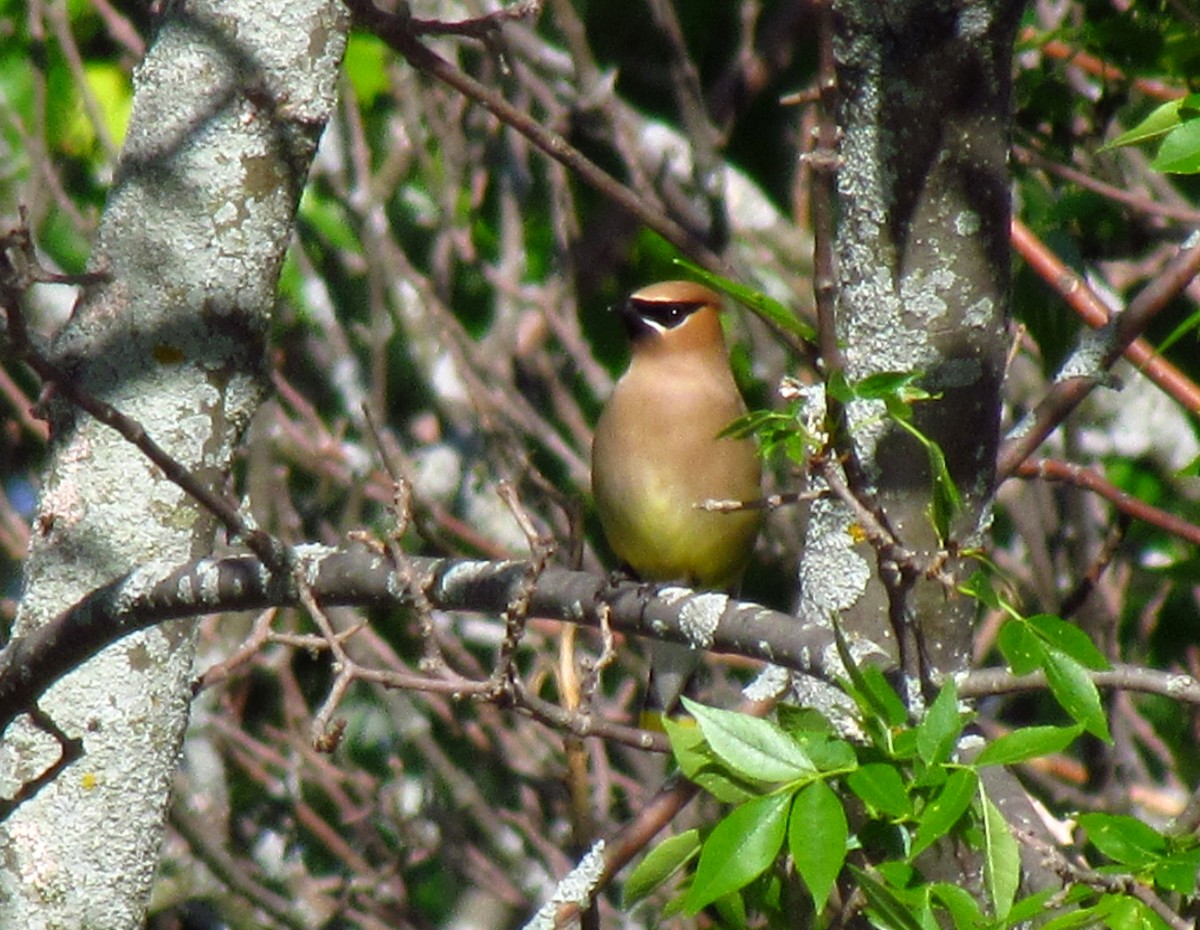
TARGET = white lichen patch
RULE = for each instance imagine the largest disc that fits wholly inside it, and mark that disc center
(674, 594)
(141, 581)
(700, 617)
(966, 223)
(974, 21)
(771, 682)
(980, 313)
(1180, 684)
(832, 574)
(309, 558)
(1087, 361)
(575, 887)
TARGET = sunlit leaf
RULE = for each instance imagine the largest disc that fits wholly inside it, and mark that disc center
(938, 733)
(768, 308)
(1180, 150)
(1001, 859)
(893, 910)
(1027, 743)
(1124, 839)
(662, 862)
(1068, 639)
(750, 746)
(1074, 689)
(882, 788)
(739, 849)
(946, 809)
(1022, 649)
(817, 833)
(1160, 121)
(961, 904)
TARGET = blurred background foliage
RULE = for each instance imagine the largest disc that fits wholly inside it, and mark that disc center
(452, 280)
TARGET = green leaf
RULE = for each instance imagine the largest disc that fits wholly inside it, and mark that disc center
(1069, 640)
(868, 687)
(885, 384)
(945, 500)
(1094, 916)
(725, 787)
(938, 733)
(961, 904)
(662, 862)
(1027, 743)
(1160, 121)
(366, 65)
(740, 848)
(1180, 150)
(817, 834)
(803, 722)
(892, 910)
(1074, 689)
(881, 787)
(766, 307)
(830, 755)
(1128, 913)
(731, 909)
(1178, 872)
(883, 697)
(111, 87)
(1124, 839)
(688, 745)
(1033, 907)
(945, 810)
(750, 746)
(946, 503)
(1189, 323)
(1001, 859)
(1022, 649)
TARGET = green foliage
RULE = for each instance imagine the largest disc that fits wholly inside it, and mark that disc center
(811, 810)
(898, 391)
(1175, 126)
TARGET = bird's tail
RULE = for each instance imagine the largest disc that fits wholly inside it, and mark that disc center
(673, 668)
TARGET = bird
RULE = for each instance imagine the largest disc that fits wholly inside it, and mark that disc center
(657, 455)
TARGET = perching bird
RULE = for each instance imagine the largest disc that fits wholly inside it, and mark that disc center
(656, 456)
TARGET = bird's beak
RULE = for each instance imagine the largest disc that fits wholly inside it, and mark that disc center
(635, 324)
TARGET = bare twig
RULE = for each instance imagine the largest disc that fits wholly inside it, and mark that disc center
(396, 33)
(1067, 394)
(1084, 301)
(1081, 476)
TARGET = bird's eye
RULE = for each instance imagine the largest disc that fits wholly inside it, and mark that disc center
(667, 314)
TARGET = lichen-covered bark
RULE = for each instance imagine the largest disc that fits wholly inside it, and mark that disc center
(923, 266)
(229, 105)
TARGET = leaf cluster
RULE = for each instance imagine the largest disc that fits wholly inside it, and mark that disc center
(814, 815)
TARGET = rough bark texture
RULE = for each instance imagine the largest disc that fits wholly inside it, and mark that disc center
(923, 267)
(229, 105)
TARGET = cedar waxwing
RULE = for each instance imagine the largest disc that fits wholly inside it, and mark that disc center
(656, 456)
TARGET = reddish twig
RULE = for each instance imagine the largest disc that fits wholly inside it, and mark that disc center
(1084, 301)
(1096, 67)
(1079, 475)
(1068, 393)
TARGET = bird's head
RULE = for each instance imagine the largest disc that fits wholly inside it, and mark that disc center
(673, 316)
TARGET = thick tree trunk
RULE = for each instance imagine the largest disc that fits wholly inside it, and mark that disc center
(229, 105)
(923, 269)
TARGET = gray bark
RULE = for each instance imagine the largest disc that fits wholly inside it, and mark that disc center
(229, 106)
(923, 267)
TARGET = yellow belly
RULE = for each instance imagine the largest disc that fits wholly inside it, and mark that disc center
(648, 511)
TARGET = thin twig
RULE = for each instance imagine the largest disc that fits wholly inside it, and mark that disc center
(1084, 301)
(1067, 394)
(1092, 480)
